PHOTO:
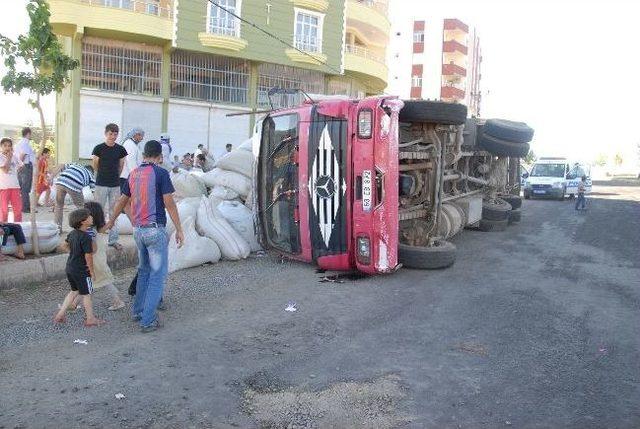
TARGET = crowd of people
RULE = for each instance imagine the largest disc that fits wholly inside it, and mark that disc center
(129, 178)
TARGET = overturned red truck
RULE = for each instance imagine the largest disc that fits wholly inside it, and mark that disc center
(376, 184)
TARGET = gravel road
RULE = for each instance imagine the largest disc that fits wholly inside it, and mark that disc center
(534, 327)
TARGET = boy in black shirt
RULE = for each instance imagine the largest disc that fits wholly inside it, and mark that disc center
(79, 267)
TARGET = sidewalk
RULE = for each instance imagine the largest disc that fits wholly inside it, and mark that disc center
(16, 273)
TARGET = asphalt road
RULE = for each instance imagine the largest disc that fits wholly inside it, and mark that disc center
(534, 327)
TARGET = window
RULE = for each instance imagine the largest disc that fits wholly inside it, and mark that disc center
(277, 76)
(153, 8)
(548, 170)
(220, 21)
(122, 4)
(111, 65)
(210, 78)
(418, 37)
(308, 31)
(416, 81)
(279, 177)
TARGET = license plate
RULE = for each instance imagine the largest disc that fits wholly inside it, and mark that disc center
(539, 192)
(366, 190)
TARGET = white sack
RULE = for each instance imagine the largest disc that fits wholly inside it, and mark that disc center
(239, 161)
(212, 224)
(241, 220)
(187, 208)
(229, 179)
(246, 145)
(87, 193)
(123, 225)
(224, 193)
(195, 251)
(48, 238)
(187, 185)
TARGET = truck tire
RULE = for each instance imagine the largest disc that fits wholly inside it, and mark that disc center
(434, 112)
(514, 200)
(493, 225)
(500, 147)
(441, 255)
(495, 211)
(515, 216)
(516, 132)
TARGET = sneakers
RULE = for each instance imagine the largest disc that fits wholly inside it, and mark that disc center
(153, 327)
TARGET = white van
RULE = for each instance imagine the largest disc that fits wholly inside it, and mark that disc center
(555, 177)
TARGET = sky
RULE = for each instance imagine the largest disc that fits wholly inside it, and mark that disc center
(568, 68)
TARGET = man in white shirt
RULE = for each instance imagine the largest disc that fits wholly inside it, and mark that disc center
(27, 157)
(199, 151)
(134, 158)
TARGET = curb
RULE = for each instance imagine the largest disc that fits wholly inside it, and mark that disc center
(49, 268)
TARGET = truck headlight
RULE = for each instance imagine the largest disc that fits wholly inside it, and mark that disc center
(364, 250)
(365, 123)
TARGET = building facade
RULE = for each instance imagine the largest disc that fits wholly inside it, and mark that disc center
(437, 60)
(180, 66)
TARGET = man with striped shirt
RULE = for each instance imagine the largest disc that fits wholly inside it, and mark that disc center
(70, 181)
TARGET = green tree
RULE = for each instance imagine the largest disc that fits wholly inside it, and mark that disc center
(41, 53)
(530, 158)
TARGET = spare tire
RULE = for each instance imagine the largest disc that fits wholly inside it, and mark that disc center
(517, 132)
(441, 255)
(514, 200)
(493, 225)
(497, 210)
(433, 112)
(515, 216)
(500, 147)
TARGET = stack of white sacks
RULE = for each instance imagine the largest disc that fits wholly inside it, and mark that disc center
(215, 212)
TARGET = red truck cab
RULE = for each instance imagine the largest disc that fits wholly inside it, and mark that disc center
(327, 183)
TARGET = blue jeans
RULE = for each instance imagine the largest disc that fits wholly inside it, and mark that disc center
(581, 202)
(153, 257)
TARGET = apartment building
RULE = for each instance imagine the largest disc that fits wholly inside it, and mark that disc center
(180, 66)
(437, 60)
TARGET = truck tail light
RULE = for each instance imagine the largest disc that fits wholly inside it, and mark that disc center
(364, 250)
(365, 123)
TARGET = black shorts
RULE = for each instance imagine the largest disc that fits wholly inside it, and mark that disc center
(122, 182)
(80, 283)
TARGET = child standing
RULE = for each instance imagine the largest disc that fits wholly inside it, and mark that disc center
(102, 273)
(79, 267)
(9, 185)
(581, 202)
(42, 185)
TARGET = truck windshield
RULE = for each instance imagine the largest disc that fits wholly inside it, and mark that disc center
(280, 182)
(547, 170)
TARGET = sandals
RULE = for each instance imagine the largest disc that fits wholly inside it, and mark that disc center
(117, 307)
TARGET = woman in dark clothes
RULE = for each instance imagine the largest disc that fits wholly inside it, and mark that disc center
(7, 229)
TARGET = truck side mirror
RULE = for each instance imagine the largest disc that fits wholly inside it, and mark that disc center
(525, 175)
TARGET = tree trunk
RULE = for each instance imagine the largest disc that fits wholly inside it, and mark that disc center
(33, 196)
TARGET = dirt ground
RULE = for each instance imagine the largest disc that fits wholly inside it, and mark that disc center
(534, 327)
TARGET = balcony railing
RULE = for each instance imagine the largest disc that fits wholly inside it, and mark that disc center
(364, 53)
(453, 70)
(381, 6)
(149, 7)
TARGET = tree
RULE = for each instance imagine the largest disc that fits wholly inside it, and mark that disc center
(40, 51)
(530, 158)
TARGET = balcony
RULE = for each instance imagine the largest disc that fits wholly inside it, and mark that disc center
(369, 65)
(451, 92)
(453, 46)
(143, 20)
(455, 25)
(371, 14)
(453, 70)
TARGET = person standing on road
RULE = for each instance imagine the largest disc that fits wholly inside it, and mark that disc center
(149, 189)
(70, 181)
(9, 183)
(134, 155)
(581, 202)
(108, 162)
(27, 157)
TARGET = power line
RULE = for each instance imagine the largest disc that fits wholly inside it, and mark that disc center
(257, 27)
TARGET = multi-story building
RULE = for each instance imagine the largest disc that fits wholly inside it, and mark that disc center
(438, 60)
(180, 66)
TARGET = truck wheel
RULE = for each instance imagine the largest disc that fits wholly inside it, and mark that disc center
(441, 255)
(493, 225)
(434, 112)
(516, 132)
(497, 209)
(514, 200)
(500, 147)
(515, 216)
